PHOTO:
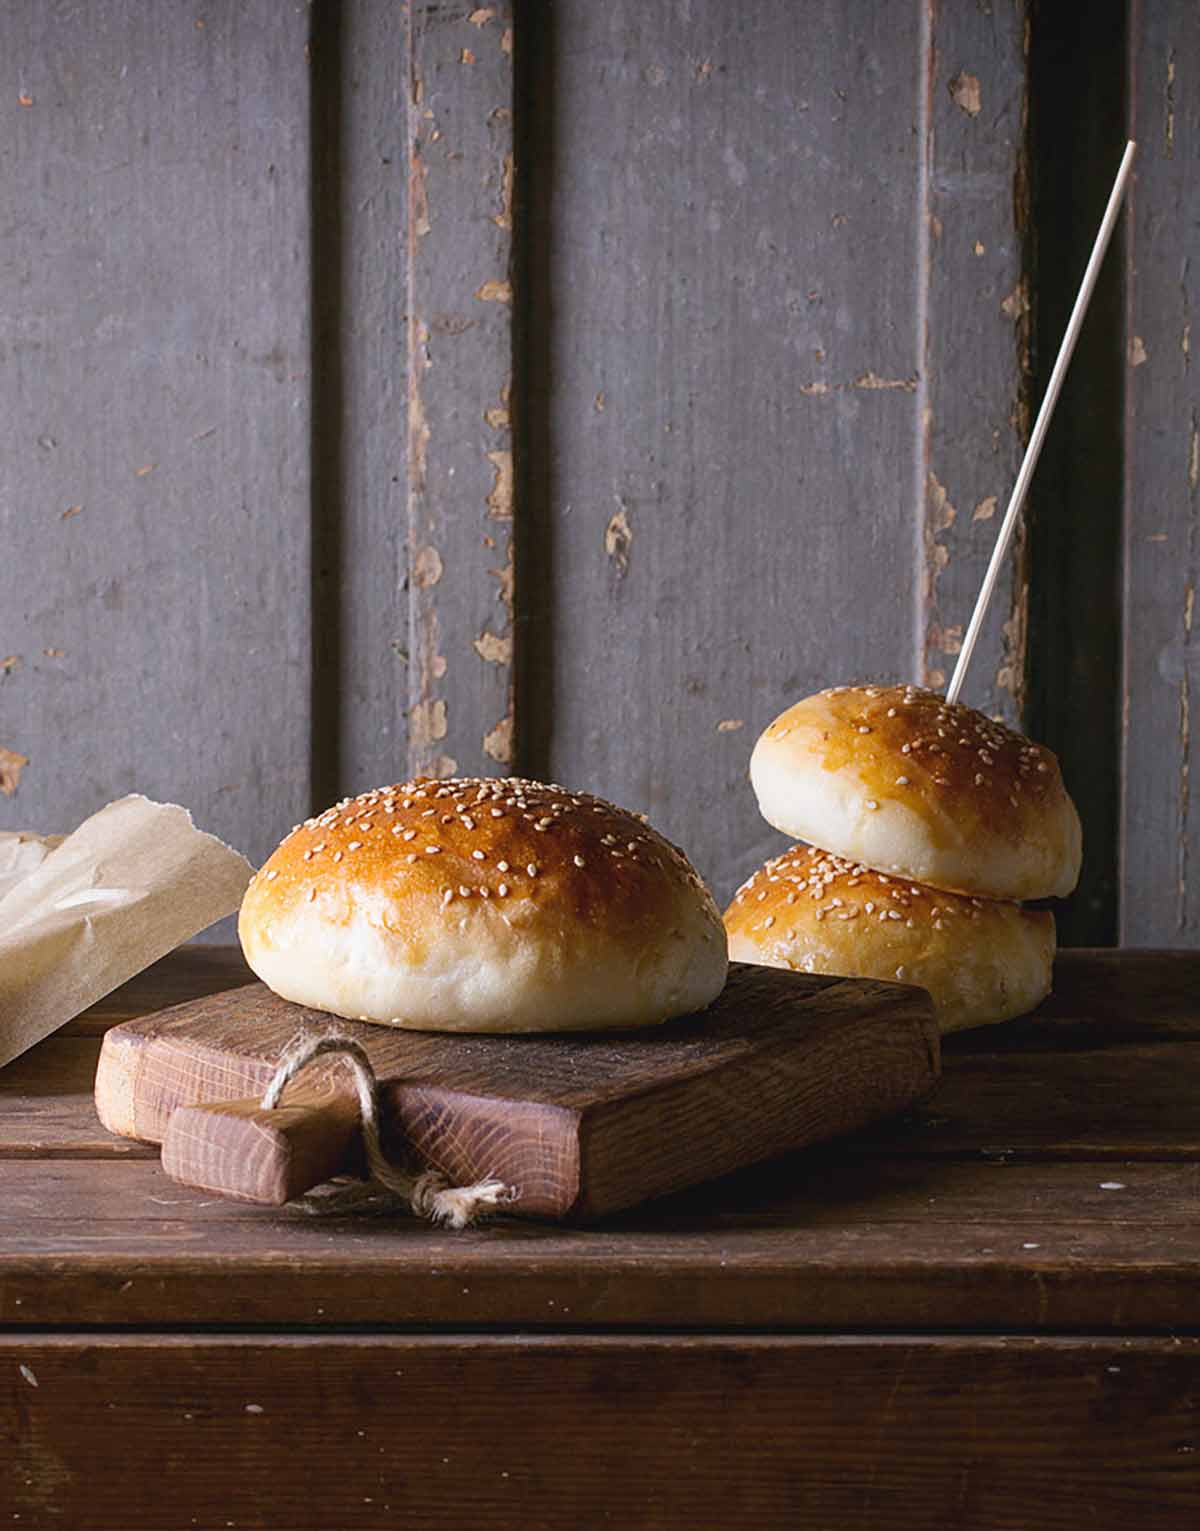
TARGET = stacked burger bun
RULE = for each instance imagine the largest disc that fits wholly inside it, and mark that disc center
(927, 824)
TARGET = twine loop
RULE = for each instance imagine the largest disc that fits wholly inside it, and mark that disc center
(428, 1194)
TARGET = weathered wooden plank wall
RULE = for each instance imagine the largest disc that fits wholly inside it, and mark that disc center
(460, 460)
(1160, 827)
(783, 241)
(154, 384)
(974, 363)
(765, 293)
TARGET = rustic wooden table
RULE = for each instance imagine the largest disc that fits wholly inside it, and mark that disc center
(985, 1315)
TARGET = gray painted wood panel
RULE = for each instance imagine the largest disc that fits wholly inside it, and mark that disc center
(460, 463)
(372, 193)
(737, 476)
(1160, 829)
(975, 371)
(154, 387)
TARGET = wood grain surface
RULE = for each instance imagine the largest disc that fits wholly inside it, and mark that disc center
(983, 1317)
(580, 1125)
(154, 508)
(587, 1432)
(1048, 1185)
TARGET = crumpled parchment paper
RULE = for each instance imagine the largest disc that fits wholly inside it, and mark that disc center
(81, 913)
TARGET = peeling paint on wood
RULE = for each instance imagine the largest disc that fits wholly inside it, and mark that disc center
(618, 539)
(494, 648)
(460, 474)
(11, 766)
(966, 94)
(975, 367)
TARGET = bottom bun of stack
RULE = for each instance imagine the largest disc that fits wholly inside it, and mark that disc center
(981, 960)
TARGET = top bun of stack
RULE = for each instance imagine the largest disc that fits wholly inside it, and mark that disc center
(899, 779)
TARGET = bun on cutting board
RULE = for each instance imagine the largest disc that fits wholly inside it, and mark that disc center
(483, 905)
(981, 960)
(901, 780)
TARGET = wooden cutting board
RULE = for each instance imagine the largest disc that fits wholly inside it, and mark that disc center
(579, 1125)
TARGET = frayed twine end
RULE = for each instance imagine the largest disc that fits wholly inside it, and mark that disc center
(428, 1194)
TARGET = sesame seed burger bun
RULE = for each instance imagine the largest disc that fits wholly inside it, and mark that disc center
(980, 960)
(899, 779)
(484, 906)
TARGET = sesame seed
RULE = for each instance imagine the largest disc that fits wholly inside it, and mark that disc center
(308, 855)
(312, 893)
(864, 728)
(409, 834)
(410, 858)
(768, 922)
(272, 875)
(532, 869)
(464, 890)
(447, 896)
(337, 856)
(320, 846)
(433, 850)
(355, 845)
(502, 866)
(502, 890)
(478, 855)
(468, 821)
(579, 861)
(872, 804)
(902, 781)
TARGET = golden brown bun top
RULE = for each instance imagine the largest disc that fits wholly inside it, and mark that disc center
(807, 884)
(982, 960)
(525, 844)
(901, 779)
(978, 768)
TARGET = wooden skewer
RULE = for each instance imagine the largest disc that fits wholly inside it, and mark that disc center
(1042, 424)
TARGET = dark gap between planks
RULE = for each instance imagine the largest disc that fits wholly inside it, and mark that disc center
(326, 370)
(1078, 128)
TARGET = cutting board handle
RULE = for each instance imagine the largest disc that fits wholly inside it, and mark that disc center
(237, 1148)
